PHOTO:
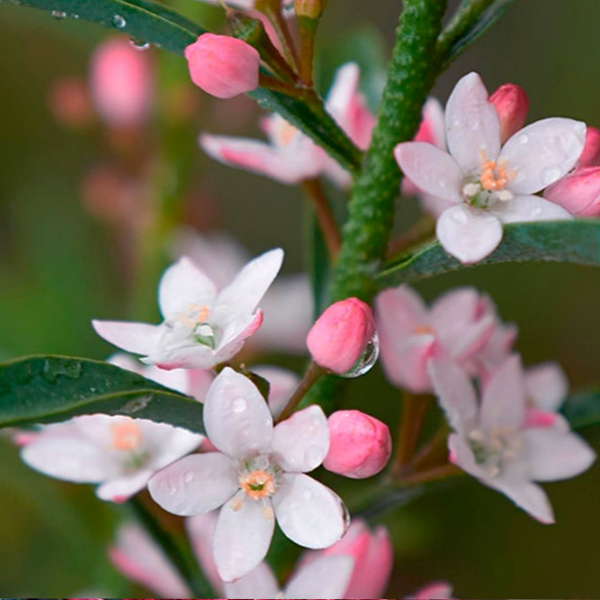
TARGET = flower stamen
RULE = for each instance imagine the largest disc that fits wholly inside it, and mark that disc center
(258, 484)
(126, 436)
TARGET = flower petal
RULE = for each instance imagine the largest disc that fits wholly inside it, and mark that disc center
(243, 294)
(236, 333)
(137, 557)
(431, 169)
(325, 577)
(201, 530)
(282, 384)
(184, 285)
(546, 384)
(122, 488)
(70, 458)
(522, 209)
(309, 513)
(302, 441)
(259, 157)
(242, 537)
(236, 416)
(504, 402)
(137, 338)
(472, 124)
(197, 356)
(195, 484)
(555, 454)
(468, 234)
(259, 582)
(543, 152)
(455, 393)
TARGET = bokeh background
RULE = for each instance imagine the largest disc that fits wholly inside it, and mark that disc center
(61, 264)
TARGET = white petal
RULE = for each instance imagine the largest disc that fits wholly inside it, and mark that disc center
(242, 537)
(70, 458)
(555, 454)
(197, 356)
(455, 393)
(121, 489)
(504, 401)
(468, 234)
(435, 121)
(137, 557)
(137, 338)
(195, 484)
(201, 530)
(302, 441)
(182, 287)
(259, 583)
(543, 152)
(235, 334)
(472, 124)
(431, 169)
(259, 157)
(242, 296)
(462, 456)
(282, 384)
(236, 416)
(529, 208)
(547, 386)
(326, 577)
(309, 513)
(526, 495)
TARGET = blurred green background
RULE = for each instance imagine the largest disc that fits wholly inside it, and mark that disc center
(60, 266)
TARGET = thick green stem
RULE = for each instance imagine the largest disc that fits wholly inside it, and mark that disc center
(182, 561)
(411, 75)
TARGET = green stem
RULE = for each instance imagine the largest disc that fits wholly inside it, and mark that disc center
(312, 375)
(324, 213)
(411, 75)
(183, 562)
(413, 413)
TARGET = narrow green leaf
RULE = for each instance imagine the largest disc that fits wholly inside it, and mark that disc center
(154, 23)
(47, 389)
(317, 263)
(583, 408)
(576, 242)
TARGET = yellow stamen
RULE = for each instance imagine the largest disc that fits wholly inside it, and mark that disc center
(126, 436)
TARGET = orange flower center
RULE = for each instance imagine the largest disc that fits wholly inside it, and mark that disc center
(126, 436)
(423, 330)
(258, 484)
(494, 175)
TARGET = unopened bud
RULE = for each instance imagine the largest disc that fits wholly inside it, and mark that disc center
(512, 105)
(590, 157)
(341, 335)
(578, 193)
(359, 445)
(223, 66)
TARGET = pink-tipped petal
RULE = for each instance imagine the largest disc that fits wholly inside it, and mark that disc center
(546, 384)
(432, 129)
(325, 577)
(468, 234)
(472, 124)
(578, 192)
(431, 169)
(121, 489)
(590, 156)
(542, 153)
(223, 66)
(512, 105)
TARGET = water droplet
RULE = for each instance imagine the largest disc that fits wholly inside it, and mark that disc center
(536, 212)
(59, 14)
(238, 405)
(523, 139)
(474, 125)
(550, 175)
(119, 22)
(172, 490)
(366, 362)
(307, 495)
(140, 44)
(459, 217)
(188, 477)
(314, 454)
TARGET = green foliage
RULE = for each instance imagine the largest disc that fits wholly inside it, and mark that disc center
(583, 408)
(46, 389)
(576, 242)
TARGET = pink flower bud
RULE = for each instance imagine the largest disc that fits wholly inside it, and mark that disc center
(121, 82)
(512, 105)
(70, 103)
(341, 335)
(359, 445)
(223, 66)
(579, 192)
(591, 151)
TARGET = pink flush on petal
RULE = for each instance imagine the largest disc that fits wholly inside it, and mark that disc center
(591, 151)
(223, 66)
(512, 105)
(578, 192)
(121, 82)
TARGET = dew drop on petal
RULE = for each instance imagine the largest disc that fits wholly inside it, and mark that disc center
(119, 22)
(307, 494)
(536, 212)
(523, 139)
(459, 217)
(366, 362)
(188, 477)
(474, 125)
(238, 405)
(550, 175)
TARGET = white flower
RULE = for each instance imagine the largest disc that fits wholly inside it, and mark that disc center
(257, 475)
(495, 442)
(202, 327)
(487, 183)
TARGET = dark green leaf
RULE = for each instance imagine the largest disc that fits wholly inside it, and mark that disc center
(583, 408)
(318, 265)
(576, 242)
(154, 23)
(472, 19)
(47, 389)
